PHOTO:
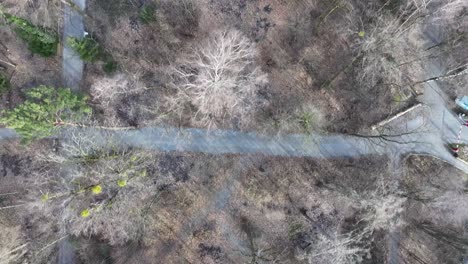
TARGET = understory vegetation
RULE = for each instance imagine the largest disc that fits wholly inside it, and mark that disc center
(229, 209)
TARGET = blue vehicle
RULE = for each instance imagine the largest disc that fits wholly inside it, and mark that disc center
(462, 102)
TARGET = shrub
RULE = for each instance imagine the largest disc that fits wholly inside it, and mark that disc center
(147, 15)
(44, 109)
(88, 49)
(40, 40)
(306, 120)
(109, 90)
(110, 65)
(4, 84)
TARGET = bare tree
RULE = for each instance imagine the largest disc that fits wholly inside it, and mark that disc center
(220, 80)
(339, 249)
(451, 12)
(450, 207)
(381, 50)
(109, 89)
(12, 248)
(99, 191)
(383, 208)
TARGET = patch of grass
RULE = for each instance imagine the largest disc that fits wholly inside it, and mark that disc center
(4, 84)
(306, 120)
(146, 15)
(40, 40)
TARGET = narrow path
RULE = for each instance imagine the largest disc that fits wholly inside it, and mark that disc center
(73, 27)
(72, 75)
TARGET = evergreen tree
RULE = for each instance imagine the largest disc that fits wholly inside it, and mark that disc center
(44, 109)
(87, 48)
(40, 40)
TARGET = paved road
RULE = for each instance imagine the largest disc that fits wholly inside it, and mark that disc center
(442, 123)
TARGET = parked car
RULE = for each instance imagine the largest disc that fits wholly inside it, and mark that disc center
(459, 151)
(463, 118)
(462, 102)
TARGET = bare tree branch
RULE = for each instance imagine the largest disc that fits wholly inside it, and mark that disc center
(219, 80)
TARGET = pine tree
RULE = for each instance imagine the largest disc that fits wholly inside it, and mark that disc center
(44, 109)
(87, 48)
(40, 40)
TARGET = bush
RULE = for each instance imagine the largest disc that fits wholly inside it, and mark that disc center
(44, 109)
(88, 49)
(40, 40)
(4, 85)
(147, 15)
(110, 65)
